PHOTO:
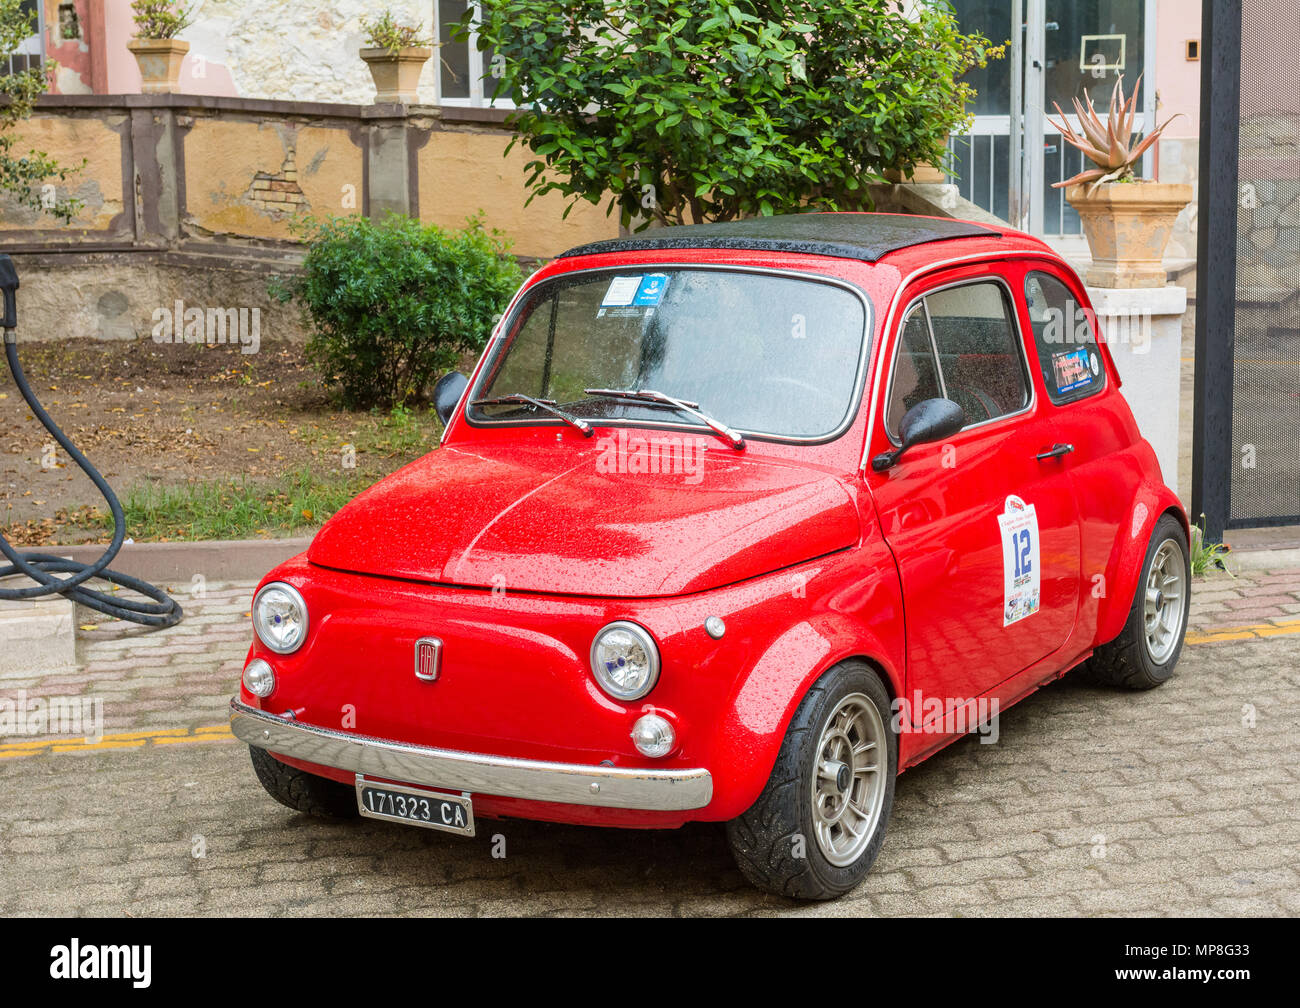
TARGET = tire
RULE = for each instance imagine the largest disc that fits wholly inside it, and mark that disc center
(778, 843)
(1133, 660)
(301, 791)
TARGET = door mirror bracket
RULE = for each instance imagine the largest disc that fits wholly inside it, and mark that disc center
(928, 421)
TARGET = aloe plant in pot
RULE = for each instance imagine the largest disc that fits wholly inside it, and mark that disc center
(1127, 220)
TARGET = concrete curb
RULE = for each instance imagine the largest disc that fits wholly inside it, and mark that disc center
(170, 563)
(1264, 559)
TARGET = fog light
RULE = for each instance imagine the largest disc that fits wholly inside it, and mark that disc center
(259, 678)
(653, 736)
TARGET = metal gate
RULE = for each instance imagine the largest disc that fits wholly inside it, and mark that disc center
(1247, 432)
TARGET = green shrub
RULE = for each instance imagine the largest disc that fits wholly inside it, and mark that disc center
(386, 32)
(683, 111)
(160, 19)
(393, 305)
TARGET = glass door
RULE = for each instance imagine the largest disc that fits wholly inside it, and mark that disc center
(1087, 46)
(1059, 49)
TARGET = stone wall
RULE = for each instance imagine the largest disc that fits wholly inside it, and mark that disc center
(195, 198)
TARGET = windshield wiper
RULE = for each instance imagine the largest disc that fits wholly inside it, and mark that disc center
(542, 404)
(685, 406)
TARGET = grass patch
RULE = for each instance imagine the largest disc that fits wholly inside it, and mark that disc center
(403, 433)
(1206, 556)
(236, 508)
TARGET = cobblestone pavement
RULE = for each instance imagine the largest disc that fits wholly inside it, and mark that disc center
(1185, 800)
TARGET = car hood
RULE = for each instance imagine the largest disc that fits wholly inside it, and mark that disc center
(544, 518)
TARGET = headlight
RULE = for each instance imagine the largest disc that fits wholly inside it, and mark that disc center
(280, 617)
(653, 736)
(259, 678)
(625, 661)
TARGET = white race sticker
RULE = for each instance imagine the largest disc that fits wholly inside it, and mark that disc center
(1021, 578)
(622, 292)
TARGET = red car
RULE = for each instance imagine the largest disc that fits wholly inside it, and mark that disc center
(733, 523)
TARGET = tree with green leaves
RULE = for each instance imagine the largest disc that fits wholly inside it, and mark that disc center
(24, 176)
(706, 110)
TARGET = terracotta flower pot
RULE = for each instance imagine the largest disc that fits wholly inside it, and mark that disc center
(397, 77)
(1128, 225)
(160, 63)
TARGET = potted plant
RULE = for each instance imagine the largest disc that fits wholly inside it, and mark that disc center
(396, 54)
(156, 47)
(1127, 220)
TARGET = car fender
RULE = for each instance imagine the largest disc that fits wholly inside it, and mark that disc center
(764, 702)
(1151, 502)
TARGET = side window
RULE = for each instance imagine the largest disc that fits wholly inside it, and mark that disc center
(1064, 340)
(980, 359)
(915, 378)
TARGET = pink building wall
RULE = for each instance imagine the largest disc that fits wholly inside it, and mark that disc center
(100, 62)
(1178, 80)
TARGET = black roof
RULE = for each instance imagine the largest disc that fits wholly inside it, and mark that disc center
(866, 236)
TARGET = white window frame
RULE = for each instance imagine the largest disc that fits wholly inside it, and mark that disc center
(33, 45)
(477, 70)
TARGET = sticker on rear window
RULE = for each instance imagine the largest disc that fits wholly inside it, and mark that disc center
(651, 291)
(622, 292)
(1021, 578)
(1072, 370)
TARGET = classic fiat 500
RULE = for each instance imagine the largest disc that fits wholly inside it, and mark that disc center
(731, 523)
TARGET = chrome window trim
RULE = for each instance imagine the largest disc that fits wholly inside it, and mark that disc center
(1094, 326)
(973, 259)
(853, 409)
(1026, 375)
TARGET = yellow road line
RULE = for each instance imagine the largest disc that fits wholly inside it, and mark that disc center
(119, 740)
(1256, 631)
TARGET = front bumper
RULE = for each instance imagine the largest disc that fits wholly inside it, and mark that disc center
(534, 780)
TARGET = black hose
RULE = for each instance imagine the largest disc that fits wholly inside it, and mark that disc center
(163, 611)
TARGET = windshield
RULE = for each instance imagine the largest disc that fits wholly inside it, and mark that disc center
(764, 354)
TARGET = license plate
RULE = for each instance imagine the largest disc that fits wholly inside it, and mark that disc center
(415, 806)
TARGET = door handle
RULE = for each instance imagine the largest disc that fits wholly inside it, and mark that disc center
(1056, 451)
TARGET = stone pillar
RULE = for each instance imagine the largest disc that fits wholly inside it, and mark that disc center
(1143, 328)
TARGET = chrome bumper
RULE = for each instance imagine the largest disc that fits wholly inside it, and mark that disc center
(569, 783)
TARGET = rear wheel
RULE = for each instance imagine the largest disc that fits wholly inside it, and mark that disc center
(302, 791)
(1143, 656)
(817, 827)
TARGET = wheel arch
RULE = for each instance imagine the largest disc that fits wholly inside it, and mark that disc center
(1153, 502)
(755, 725)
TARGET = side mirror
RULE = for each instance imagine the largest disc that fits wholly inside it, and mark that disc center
(447, 393)
(926, 422)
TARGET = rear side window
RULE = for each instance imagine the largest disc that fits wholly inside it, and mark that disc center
(974, 349)
(1064, 339)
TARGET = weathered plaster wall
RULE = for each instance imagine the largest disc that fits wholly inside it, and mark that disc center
(70, 140)
(194, 199)
(301, 50)
(252, 178)
(463, 171)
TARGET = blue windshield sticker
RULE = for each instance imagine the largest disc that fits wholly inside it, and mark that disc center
(651, 291)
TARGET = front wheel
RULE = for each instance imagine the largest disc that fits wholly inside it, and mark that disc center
(818, 825)
(1144, 654)
(301, 791)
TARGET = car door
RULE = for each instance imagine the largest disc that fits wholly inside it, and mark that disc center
(1083, 389)
(983, 532)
